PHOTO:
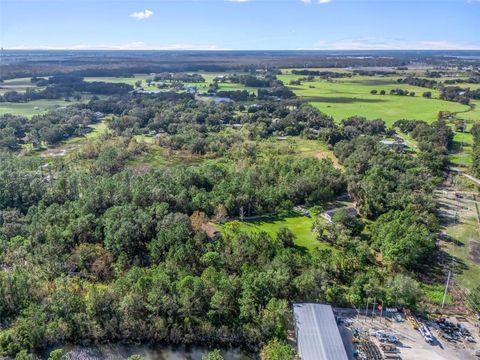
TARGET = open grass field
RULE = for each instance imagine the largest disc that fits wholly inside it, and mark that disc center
(19, 85)
(37, 107)
(298, 224)
(201, 87)
(460, 224)
(461, 154)
(473, 113)
(126, 80)
(346, 97)
(467, 237)
(31, 108)
(300, 147)
(434, 294)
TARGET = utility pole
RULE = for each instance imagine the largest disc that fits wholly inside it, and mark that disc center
(446, 288)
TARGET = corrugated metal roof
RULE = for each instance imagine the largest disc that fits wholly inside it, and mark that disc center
(318, 337)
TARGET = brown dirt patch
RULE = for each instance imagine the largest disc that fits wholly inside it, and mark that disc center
(475, 251)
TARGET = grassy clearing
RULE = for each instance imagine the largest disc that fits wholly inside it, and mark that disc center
(126, 80)
(298, 224)
(38, 107)
(464, 235)
(473, 114)
(461, 154)
(31, 108)
(434, 294)
(201, 87)
(346, 97)
(300, 147)
(19, 85)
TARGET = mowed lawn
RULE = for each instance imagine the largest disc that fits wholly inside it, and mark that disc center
(345, 97)
(300, 226)
(461, 153)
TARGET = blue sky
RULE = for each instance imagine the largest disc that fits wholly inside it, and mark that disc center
(240, 24)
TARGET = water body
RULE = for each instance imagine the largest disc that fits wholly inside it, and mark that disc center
(121, 352)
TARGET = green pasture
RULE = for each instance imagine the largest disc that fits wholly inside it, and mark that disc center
(465, 232)
(473, 113)
(31, 108)
(37, 107)
(201, 87)
(461, 153)
(346, 97)
(301, 147)
(19, 85)
(126, 80)
(235, 87)
(298, 224)
(434, 294)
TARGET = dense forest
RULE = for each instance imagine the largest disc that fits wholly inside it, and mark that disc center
(101, 253)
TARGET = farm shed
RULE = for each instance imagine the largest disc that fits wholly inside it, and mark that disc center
(328, 215)
(393, 144)
(317, 333)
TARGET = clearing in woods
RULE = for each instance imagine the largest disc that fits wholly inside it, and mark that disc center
(298, 224)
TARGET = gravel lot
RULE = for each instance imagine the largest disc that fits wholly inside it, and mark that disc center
(412, 345)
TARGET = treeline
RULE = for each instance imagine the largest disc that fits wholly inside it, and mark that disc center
(53, 127)
(458, 94)
(237, 95)
(179, 76)
(57, 87)
(322, 74)
(253, 80)
(475, 131)
(415, 81)
(163, 113)
(266, 118)
(474, 79)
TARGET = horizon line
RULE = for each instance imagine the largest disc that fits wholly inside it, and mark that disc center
(229, 50)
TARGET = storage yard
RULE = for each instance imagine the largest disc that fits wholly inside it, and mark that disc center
(404, 336)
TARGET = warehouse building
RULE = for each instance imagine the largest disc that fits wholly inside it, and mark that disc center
(317, 333)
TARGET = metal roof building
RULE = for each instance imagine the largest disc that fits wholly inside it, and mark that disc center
(318, 337)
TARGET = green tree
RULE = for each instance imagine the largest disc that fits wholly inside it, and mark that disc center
(404, 291)
(406, 238)
(285, 236)
(57, 354)
(24, 355)
(277, 350)
(136, 357)
(213, 355)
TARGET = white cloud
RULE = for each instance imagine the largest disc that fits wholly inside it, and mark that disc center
(142, 15)
(394, 44)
